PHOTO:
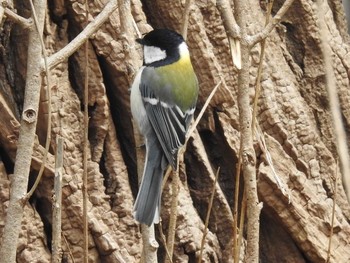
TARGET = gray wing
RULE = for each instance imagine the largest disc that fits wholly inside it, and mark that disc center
(169, 122)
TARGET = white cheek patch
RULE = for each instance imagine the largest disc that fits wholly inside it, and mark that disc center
(183, 50)
(153, 54)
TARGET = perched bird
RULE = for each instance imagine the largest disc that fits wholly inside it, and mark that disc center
(163, 99)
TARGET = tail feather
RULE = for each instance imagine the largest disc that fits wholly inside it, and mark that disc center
(147, 204)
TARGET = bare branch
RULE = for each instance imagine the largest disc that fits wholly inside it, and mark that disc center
(210, 205)
(247, 148)
(84, 35)
(25, 140)
(48, 84)
(194, 125)
(86, 148)
(57, 204)
(230, 24)
(23, 22)
(232, 30)
(173, 211)
(252, 40)
(186, 16)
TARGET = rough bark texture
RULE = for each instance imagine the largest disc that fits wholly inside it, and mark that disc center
(293, 113)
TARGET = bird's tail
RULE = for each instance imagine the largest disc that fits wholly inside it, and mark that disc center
(147, 204)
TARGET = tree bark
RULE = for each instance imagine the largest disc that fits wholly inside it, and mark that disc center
(293, 113)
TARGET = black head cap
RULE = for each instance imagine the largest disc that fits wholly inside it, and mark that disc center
(165, 39)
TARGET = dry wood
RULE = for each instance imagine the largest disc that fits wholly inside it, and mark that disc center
(25, 140)
(57, 204)
(86, 146)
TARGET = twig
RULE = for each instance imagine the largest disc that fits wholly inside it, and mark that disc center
(48, 84)
(248, 153)
(261, 61)
(271, 25)
(25, 141)
(333, 215)
(228, 19)
(23, 22)
(150, 245)
(233, 31)
(241, 226)
(340, 135)
(57, 204)
(194, 125)
(86, 149)
(236, 248)
(68, 247)
(210, 205)
(90, 29)
(162, 237)
(185, 19)
(173, 211)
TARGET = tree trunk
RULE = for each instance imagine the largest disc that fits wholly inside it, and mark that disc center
(293, 114)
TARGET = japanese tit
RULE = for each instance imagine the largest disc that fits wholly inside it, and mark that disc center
(163, 100)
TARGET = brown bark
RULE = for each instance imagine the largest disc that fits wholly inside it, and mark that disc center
(293, 114)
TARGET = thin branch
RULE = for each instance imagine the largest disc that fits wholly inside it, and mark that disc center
(86, 147)
(248, 152)
(236, 248)
(150, 244)
(210, 205)
(252, 40)
(333, 215)
(340, 135)
(173, 210)
(241, 226)
(261, 61)
(48, 85)
(230, 24)
(25, 140)
(194, 125)
(69, 249)
(57, 204)
(84, 35)
(162, 237)
(23, 22)
(186, 17)
(232, 29)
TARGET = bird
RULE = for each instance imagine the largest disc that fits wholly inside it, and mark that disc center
(163, 100)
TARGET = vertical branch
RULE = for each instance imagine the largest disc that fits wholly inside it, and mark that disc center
(85, 143)
(186, 17)
(25, 141)
(248, 153)
(333, 216)
(331, 86)
(48, 84)
(248, 160)
(173, 210)
(236, 248)
(261, 61)
(57, 204)
(210, 205)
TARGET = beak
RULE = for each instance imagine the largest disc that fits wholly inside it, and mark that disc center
(140, 41)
